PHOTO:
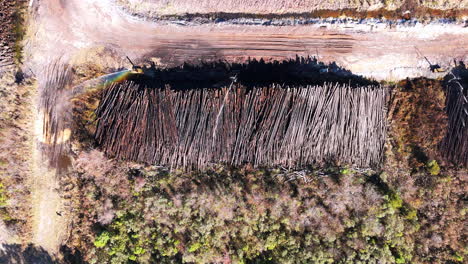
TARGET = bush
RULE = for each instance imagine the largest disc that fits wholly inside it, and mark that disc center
(433, 168)
(102, 239)
(4, 213)
(242, 215)
(3, 197)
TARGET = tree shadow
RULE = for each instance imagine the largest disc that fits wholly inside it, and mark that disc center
(71, 256)
(15, 253)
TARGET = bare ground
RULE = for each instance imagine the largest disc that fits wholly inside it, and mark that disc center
(380, 51)
(49, 222)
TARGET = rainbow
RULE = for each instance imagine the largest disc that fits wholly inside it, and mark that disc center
(116, 76)
(103, 81)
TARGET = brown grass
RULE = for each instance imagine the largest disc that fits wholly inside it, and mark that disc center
(16, 138)
(418, 120)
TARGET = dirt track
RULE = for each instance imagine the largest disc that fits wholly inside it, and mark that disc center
(377, 50)
(63, 29)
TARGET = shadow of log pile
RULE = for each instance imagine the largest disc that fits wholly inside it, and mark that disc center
(292, 118)
(253, 73)
(455, 144)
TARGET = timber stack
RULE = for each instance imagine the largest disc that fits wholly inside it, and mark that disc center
(273, 125)
(455, 144)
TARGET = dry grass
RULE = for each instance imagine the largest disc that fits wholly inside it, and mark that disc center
(314, 8)
(16, 143)
(19, 30)
(418, 120)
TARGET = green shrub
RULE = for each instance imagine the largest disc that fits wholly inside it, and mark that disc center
(345, 171)
(194, 247)
(3, 196)
(458, 257)
(433, 167)
(102, 239)
(5, 208)
(394, 200)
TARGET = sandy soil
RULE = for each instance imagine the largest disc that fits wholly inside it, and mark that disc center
(63, 29)
(6, 236)
(179, 7)
(49, 216)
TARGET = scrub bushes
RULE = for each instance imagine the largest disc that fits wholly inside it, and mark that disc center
(239, 215)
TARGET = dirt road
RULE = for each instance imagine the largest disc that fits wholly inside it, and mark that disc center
(62, 29)
(375, 50)
(50, 223)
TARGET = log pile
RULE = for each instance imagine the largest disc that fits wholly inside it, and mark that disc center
(455, 144)
(55, 111)
(263, 126)
(8, 19)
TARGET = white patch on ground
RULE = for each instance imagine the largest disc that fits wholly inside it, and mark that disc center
(7, 236)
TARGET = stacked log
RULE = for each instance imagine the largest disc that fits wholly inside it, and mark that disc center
(275, 125)
(10, 19)
(55, 112)
(455, 145)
